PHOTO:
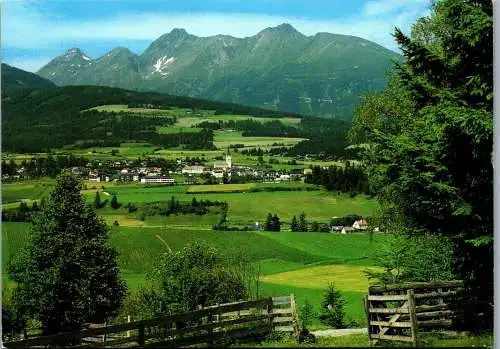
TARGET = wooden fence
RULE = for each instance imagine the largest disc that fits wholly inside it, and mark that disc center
(399, 312)
(213, 325)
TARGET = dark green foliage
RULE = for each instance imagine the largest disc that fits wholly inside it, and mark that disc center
(315, 226)
(272, 223)
(332, 308)
(417, 258)
(276, 223)
(348, 179)
(131, 207)
(302, 225)
(67, 274)
(22, 214)
(268, 225)
(307, 314)
(97, 200)
(433, 172)
(346, 220)
(114, 203)
(184, 279)
(13, 324)
(49, 166)
(14, 78)
(294, 226)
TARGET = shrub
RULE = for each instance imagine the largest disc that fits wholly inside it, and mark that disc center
(183, 280)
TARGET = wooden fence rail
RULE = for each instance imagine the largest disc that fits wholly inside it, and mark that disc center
(397, 312)
(211, 325)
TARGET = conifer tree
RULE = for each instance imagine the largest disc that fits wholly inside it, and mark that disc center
(67, 275)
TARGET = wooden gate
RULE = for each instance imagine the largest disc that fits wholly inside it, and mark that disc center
(398, 312)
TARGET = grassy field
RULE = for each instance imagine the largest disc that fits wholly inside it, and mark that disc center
(304, 269)
(245, 208)
(223, 139)
(167, 130)
(361, 340)
(33, 189)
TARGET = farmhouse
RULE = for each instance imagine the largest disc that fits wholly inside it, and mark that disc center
(157, 179)
(361, 224)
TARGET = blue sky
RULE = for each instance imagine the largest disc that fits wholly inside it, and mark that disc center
(35, 31)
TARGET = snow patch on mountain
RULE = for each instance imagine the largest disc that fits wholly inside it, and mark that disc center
(162, 63)
(86, 58)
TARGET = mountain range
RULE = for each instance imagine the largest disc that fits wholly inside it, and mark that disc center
(278, 68)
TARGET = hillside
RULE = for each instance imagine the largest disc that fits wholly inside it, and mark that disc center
(35, 120)
(13, 77)
(279, 68)
(40, 119)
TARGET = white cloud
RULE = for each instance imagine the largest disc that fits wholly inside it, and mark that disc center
(26, 27)
(384, 7)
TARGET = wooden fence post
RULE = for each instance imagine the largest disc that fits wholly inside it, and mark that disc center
(128, 322)
(141, 338)
(413, 316)
(367, 311)
(271, 319)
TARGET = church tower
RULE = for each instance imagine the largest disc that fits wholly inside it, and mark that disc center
(228, 158)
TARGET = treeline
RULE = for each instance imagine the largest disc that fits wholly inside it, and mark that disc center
(49, 166)
(23, 213)
(174, 206)
(325, 137)
(91, 128)
(347, 179)
(253, 128)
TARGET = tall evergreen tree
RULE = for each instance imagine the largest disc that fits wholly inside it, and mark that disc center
(269, 224)
(433, 172)
(67, 275)
(302, 226)
(294, 226)
(97, 200)
(114, 202)
(276, 223)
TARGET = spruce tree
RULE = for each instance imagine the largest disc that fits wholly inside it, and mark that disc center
(114, 202)
(276, 223)
(269, 225)
(67, 274)
(302, 226)
(97, 200)
(294, 226)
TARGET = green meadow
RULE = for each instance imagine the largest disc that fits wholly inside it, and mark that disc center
(289, 262)
(223, 139)
(299, 263)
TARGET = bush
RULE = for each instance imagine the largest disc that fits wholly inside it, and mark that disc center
(193, 276)
(12, 323)
(332, 308)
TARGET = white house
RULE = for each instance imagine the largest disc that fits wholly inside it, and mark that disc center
(361, 224)
(157, 179)
(192, 170)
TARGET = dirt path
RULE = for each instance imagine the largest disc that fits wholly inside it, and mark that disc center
(337, 333)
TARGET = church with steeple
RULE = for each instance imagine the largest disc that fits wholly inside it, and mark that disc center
(224, 164)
